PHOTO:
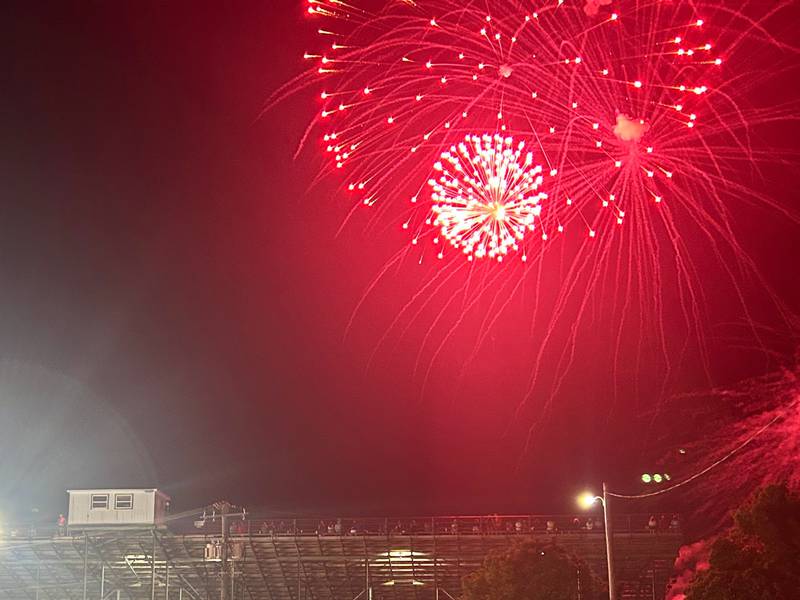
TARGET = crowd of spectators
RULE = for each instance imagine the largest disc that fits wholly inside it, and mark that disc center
(489, 525)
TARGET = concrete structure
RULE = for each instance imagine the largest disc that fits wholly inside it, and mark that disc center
(116, 507)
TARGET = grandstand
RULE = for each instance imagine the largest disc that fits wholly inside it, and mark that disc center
(310, 559)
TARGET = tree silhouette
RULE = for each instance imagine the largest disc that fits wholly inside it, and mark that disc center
(759, 558)
(531, 571)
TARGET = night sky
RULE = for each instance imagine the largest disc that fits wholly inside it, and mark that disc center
(174, 296)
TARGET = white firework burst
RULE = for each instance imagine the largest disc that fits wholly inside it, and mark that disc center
(487, 195)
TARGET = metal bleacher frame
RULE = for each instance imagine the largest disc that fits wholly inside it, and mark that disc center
(313, 559)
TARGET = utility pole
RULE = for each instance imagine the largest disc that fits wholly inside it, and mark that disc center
(225, 592)
(609, 550)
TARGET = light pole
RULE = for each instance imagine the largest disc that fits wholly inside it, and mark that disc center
(586, 501)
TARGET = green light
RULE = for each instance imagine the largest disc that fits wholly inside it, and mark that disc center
(657, 478)
(646, 478)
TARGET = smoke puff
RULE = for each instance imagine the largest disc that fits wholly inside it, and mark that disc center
(629, 130)
(692, 559)
(592, 7)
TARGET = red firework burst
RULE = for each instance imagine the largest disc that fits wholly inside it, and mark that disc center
(633, 108)
(756, 438)
(621, 105)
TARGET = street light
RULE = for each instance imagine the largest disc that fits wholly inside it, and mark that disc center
(586, 501)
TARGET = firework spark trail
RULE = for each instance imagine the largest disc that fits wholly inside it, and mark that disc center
(378, 139)
(433, 285)
(629, 107)
(755, 441)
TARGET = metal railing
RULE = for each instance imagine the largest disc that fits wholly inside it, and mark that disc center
(485, 525)
(451, 525)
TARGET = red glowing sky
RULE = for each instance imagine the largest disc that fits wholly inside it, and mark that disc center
(160, 247)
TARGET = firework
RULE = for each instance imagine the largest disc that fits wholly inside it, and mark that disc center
(484, 199)
(636, 116)
(752, 430)
(613, 100)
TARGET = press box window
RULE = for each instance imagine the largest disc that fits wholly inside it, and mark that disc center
(123, 501)
(99, 501)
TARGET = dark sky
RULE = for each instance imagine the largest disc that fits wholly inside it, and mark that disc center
(174, 299)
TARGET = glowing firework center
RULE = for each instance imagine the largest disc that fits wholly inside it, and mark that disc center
(486, 196)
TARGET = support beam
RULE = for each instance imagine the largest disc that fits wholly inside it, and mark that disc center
(85, 562)
(153, 569)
